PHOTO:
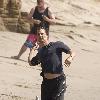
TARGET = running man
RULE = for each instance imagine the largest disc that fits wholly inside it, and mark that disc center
(49, 55)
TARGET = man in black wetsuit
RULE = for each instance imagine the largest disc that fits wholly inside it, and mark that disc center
(42, 16)
(50, 56)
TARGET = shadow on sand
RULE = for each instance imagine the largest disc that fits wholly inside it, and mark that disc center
(12, 58)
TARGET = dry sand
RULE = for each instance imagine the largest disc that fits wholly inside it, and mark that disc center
(19, 81)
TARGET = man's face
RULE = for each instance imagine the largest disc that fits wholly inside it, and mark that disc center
(40, 3)
(42, 37)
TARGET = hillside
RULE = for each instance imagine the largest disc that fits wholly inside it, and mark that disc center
(19, 81)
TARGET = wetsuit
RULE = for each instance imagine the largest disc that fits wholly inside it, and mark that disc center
(50, 57)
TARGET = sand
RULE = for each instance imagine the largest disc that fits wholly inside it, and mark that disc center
(19, 81)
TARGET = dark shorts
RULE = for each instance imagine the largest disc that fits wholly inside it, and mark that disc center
(53, 89)
(30, 41)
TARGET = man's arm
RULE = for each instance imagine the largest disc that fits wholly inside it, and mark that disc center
(51, 18)
(64, 48)
(70, 58)
(30, 17)
(34, 61)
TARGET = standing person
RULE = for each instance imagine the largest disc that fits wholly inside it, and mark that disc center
(42, 16)
(50, 56)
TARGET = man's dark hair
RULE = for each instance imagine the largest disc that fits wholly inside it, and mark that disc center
(46, 30)
(39, 1)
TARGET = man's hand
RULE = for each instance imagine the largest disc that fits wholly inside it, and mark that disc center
(51, 21)
(45, 18)
(68, 61)
(70, 58)
(36, 21)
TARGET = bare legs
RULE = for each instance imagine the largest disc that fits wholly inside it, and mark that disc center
(22, 50)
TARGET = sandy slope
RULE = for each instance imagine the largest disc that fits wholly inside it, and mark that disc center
(19, 81)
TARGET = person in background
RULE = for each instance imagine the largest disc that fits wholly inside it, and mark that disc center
(49, 56)
(42, 16)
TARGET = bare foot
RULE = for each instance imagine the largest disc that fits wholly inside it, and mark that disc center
(14, 57)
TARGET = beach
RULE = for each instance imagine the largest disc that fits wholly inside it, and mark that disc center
(19, 81)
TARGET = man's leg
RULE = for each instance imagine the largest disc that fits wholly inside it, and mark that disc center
(22, 50)
(61, 97)
(60, 88)
(50, 90)
(45, 90)
(29, 43)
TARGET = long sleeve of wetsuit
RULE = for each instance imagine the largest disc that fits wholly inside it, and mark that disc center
(35, 60)
(63, 47)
